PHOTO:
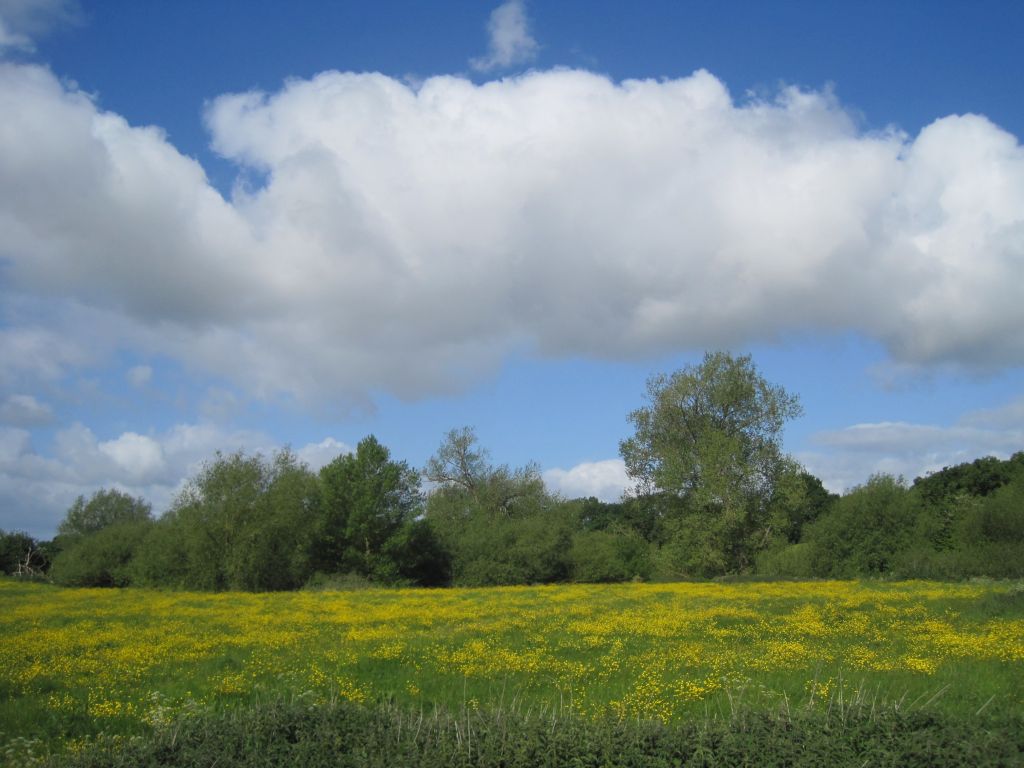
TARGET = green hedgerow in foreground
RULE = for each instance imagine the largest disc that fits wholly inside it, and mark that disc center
(340, 733)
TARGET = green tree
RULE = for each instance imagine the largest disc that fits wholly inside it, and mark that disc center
(711, 434)
(367, 499)
(498, 525)
(104, 558)
(241, 523)
(104, 508)
(865, 530)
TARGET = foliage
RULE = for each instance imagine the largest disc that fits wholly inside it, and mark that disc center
(610, 555)
(18, 549)
(711, 434)
(104, 508)
(103, 559)
(980, 477)
(866, 529)
(498, 526)
(366, 500)
(242, 523)
(290, 731)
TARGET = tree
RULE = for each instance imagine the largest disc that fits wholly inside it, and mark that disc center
(865, 530)
(367, 498)
(711, 434)
(104, 508)
(499, 526)
(102, 559)
(461, 467)
(241, 523)
(20, 554)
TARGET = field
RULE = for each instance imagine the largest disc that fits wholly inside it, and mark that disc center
(78, 663)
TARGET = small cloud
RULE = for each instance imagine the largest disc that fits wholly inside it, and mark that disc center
(11, 40)
(607, 480)
(140, 375)
(511, 42)
(317, 455)
(22, 21)
(139, 456)
(25, 411)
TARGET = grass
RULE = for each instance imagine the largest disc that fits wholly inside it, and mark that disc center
(75, 664)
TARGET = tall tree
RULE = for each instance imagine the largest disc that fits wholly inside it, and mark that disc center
(366, 500)
(711, 434)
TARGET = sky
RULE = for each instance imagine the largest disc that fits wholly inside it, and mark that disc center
(252, 224)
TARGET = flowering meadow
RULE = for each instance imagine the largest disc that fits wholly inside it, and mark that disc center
(77, 663)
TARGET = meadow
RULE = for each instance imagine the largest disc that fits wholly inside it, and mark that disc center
(77, 663)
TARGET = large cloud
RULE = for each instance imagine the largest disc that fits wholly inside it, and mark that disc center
(407, 238)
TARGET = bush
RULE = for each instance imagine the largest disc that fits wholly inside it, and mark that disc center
(609, 556)
(102, 559)
(794, 561)
(865, 530)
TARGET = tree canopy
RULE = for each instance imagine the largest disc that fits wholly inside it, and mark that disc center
(711, 434)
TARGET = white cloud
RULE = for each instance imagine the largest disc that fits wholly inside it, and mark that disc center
(607, 480)
(23, 20)
(847, 457)
(140, 375)
(510, 40)
(409, 239)
(141, 458)
(317, 455)
(10, 40)
(24, 411)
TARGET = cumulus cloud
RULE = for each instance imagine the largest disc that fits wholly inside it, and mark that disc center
(607, 480)
(317, 455)
(36, 489)
(24, 411)
(847, 457)
(510, 40)
(409, 238)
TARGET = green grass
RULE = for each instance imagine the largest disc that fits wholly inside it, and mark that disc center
(77, 665)
(294, 732)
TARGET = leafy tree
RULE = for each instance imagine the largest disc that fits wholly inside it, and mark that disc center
(711, 434)
(104, 508)
(866, 530)
(798, 499)
(609, 555)
(367, 499)
(243, 523)
(980, 477)
(499, 526)
(462, 467)
(103, 558)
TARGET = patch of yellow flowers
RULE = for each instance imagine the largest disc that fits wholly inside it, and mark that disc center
(635, 650)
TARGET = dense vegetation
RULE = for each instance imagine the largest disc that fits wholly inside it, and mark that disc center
(288, 733)
(714, 496)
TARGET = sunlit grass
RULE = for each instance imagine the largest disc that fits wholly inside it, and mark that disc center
(74, 663)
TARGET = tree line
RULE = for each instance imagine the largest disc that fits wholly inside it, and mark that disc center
(713, 495)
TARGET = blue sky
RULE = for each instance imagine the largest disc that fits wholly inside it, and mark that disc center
(250, 224)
